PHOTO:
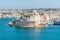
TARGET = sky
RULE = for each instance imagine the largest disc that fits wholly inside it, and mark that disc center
(28, 4)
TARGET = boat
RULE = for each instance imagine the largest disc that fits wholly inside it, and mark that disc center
(57, 22)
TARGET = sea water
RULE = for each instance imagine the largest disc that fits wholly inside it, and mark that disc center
(52, 32)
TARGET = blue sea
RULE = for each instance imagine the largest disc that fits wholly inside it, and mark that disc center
(52, 32)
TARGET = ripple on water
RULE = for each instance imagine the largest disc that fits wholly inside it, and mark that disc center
(52, 32)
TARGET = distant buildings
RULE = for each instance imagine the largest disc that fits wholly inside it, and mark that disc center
(18, 12)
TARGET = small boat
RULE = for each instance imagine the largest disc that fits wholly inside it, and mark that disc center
(10, 24)
(56, 22)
